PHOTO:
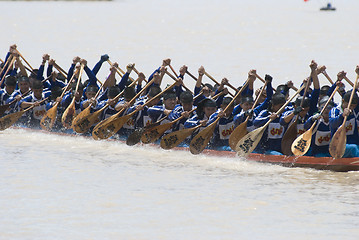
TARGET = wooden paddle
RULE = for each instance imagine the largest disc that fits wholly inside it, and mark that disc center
(152, 134)
(172, 139)
(113, 126)
(48, 120)
(241, 130)
(8, 120)
(250, 141)
(175, 78)
(200, 141)
(216, 82)
(101, 130)
(327, 77)
(291, 133)
(70, 111)
(81, 122)
(338, 143)
(60, 69)
(7, 70)
(301, 144)
(6, 64)
(24, 60)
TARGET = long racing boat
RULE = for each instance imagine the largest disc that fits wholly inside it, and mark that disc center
(319, 163)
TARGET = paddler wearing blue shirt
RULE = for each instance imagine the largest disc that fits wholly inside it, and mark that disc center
(270, 142)
(321, 133)
(247, 103)
(336, 118)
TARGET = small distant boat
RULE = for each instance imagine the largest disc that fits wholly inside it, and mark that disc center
(328, 8)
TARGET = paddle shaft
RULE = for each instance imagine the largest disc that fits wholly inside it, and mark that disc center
(174, 78)
(7, 70)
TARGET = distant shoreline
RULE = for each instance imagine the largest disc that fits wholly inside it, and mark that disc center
(56, 0)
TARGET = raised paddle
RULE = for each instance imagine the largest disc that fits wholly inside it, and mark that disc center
(6, 64)
(48, 120)
(7, 70)
(111, 127)
(216, 82)
(241, 130)
(327, 77)
(8, 120)
(174, 78)
(200, 141)
(250, 141)
(337, 144)
(291, 133)
(25, 60)
(301, 144)
(60, 69)
(347, 79)
(70, 111)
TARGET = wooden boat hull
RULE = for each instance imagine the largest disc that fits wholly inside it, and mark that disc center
(320, 163)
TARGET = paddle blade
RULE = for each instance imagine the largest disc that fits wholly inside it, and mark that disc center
(288, 138)
(8, 120)
(48, 120)
(135, 137)
(338, 143)
(150, 135)
(172, 139)
(301, 144)
(238, 133)
(109, 128)
(3, 108)
(68, 115)
(200, 141)
(83, 122)
(249, 142)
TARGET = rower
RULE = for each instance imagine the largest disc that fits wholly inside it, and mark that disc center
(336, 118)
(141, 118)
(24, 87)
(224, 127)
(56, 92)
(270, 142)
(304, 106)
(321, 138)
(247, 104)
(10, 85)
(66, 100)
(186, 99)
(35, 114)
